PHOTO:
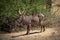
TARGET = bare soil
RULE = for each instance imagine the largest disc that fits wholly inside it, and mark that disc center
(49, 34)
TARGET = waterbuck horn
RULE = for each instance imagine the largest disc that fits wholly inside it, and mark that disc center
(19, 11)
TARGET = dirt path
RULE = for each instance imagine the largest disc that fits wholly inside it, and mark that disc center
(49, 34)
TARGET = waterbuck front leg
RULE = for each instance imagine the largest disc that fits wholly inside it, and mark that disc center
(42, 28)
(28, 29)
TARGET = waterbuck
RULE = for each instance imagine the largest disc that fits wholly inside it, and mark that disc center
(32, 20)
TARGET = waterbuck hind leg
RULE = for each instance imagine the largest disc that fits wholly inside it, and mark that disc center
(43, 28)
(28, 29)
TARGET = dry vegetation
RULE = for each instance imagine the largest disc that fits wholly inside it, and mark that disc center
(52, 31)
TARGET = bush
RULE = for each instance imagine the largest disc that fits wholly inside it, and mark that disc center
(9, 10)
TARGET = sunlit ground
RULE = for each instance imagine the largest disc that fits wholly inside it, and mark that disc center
(49, 34)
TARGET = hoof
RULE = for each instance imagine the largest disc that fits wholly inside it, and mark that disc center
(43, 30)
(27, 33)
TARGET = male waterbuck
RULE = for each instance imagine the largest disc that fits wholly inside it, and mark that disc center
(32, 20)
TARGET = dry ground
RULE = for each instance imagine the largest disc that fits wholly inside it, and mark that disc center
(49, 34)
